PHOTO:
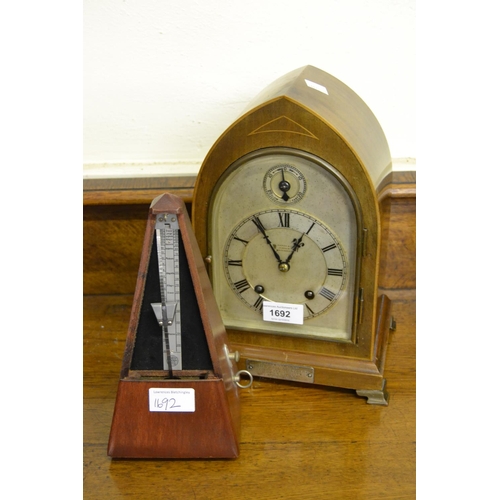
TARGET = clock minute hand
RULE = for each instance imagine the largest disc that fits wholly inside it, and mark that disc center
(261, 228)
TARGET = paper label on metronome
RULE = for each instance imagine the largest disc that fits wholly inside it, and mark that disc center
(171, 400)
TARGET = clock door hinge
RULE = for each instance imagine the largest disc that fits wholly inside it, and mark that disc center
(361, 303)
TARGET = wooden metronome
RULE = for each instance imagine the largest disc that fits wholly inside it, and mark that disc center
(178, 391)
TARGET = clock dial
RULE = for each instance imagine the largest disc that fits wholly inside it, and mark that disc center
(264, 251)
(285, 256)
(285, 184)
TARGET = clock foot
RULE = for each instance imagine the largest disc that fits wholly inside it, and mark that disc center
(375, 397)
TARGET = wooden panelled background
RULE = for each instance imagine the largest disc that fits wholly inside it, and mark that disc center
(114, 221)
(297, 441)
(115, 213)
(398, 265)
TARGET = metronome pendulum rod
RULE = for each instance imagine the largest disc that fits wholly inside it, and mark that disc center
(168, 312)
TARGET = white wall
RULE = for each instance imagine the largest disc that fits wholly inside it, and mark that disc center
(164, 78)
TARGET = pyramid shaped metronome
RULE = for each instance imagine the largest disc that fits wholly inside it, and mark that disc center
(177, 394)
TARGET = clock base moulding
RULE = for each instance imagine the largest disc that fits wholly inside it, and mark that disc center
(364, 376)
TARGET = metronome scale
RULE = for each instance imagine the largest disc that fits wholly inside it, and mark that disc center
(178, 390)
(168, 311)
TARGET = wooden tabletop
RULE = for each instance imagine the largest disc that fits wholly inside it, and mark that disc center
(297, 441)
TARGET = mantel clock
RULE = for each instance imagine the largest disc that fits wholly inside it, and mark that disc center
(286, 216)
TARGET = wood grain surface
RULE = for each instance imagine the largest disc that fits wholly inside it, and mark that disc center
(296, 441)
(114, 231)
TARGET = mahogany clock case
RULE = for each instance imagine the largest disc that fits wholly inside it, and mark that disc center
(311, 112)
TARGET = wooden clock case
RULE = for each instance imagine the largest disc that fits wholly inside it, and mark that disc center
(213, 429)
(309, 110)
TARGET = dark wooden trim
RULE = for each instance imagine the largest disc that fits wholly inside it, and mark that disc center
(115, 213)
(137, 190)
(142, 190)
(397, 202)
(398, 185)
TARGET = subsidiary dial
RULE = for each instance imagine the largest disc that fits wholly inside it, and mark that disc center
(285, 256)
(285, 184)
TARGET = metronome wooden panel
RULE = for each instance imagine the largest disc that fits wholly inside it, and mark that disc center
(178, 390)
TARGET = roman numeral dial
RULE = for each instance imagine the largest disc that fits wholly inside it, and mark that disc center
(284, 227)
(283, 255)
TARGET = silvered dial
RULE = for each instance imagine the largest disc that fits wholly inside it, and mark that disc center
(283, 228)
(285, 183)
(285, 256)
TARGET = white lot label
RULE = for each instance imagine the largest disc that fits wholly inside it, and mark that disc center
(279, 312)
(171, 400)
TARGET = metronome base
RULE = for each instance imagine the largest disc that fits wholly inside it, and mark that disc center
(206, 432)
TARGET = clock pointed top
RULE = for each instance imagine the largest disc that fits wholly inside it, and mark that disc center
(283, 124)
(323, 95)
(287, 85)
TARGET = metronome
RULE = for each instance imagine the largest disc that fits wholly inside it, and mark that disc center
(178, 391)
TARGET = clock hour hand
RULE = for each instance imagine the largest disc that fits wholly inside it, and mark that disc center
(296, 245)
(262, 229)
